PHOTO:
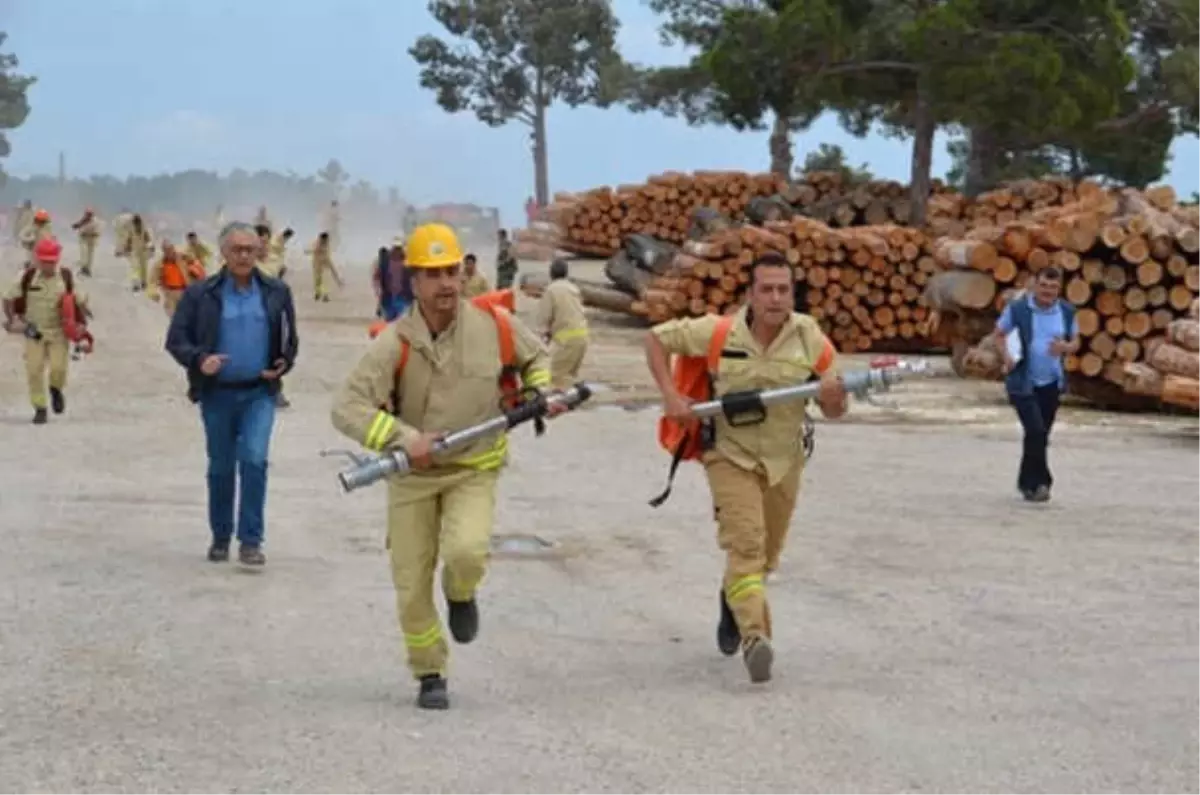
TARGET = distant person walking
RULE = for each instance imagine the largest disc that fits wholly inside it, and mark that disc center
(1035, 378)
(506, 261)
(235, 334)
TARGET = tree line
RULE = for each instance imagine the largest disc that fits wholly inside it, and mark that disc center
(290, 198)
(1084, 88)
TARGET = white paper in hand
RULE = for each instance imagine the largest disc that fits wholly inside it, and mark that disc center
(1012, 342)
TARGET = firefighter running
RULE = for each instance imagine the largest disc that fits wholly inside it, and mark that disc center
(37, 306)
(37, 230)
(474, 282)
(560, 317)
(88, 230)
(434, 371)
(753, 470)
(171, 275)
(321, 252)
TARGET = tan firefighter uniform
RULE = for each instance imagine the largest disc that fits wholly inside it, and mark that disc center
(198, 251)
(24, 218)
(560, 313)
(275, 261)
(141, 250)
(52, 351)
(88, 230)
(322, 267)
(754, 471)
(448, 384)
(36, 230)
(475, 284)
(171, 274)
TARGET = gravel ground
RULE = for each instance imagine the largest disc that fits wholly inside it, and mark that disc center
(933, 632)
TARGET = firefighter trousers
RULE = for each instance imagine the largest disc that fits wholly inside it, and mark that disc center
(449, 516)
(752, 525)
(320, 288)
(566, 358)
(87, 254)
(170, 300)
(138, 270)
(41, 355)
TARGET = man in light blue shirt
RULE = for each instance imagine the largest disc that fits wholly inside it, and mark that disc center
(1045, 327)
(235, 333)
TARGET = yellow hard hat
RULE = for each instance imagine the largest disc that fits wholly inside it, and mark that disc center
(432, 246)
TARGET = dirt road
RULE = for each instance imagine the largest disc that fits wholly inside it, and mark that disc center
(933, 632)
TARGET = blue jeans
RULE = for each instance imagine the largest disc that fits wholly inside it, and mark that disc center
(237, 427)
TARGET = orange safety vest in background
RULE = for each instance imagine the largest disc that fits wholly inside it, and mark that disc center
(172, 277)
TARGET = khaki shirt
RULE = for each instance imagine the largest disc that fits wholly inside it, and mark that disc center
(476, 284)
(89, 229)
(560, 311)
(33, 233)
(322, 259)
(43, 302)
(774, 445)
(140, 246)
(449, 383)
(24, 218)
(198, 251)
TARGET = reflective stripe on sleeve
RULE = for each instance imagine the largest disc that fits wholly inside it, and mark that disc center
(381, 428)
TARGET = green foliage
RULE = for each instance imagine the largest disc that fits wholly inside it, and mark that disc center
(831, 157)
(516, 57)
(14, 102)
(754, 57)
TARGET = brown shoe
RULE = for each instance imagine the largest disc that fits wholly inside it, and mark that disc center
(758, 657)
(251, 556)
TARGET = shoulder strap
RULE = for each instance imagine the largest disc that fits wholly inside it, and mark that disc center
(68, 279)
(716, 343)
(405, 348)
(504, 332)
(26, 280)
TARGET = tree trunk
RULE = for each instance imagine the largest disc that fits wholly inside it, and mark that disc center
(781, 146)
(982, 159)
(924, 129)
(541, 166)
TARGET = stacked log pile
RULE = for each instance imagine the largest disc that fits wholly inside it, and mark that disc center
(594, 223)
(1130, 268)
(1171, 370)
(863, 284)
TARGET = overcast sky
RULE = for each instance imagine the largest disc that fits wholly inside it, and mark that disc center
(145, 86)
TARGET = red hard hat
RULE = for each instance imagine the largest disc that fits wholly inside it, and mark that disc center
(47, 250)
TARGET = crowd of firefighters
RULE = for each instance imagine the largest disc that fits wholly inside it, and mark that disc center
(162, 270)
(437, 372)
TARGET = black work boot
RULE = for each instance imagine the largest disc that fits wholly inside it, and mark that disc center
(57, 402)
(463, 620)
(758, 657)
(433, 693)
(39, 416)
(218, 552)
(729, 638)
(251, 555)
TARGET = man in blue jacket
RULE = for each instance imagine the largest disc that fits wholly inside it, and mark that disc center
(1035, 379)
(235, 334)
